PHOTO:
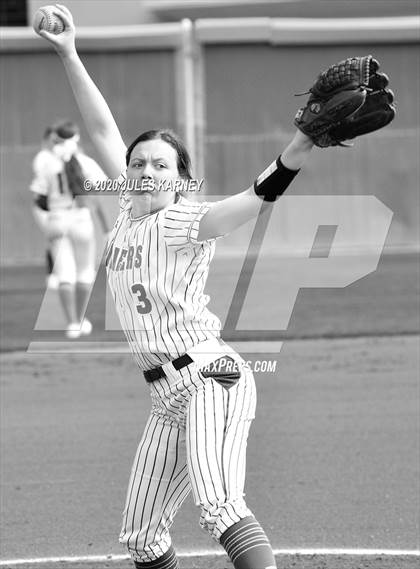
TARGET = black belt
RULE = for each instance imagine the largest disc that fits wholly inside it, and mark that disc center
(157, 372)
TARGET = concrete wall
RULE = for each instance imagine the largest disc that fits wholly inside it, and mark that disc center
(139, 88)
(248, 109)
(126, 12)
(100, 12)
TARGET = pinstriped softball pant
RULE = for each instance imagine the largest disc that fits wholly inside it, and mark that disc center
(195, 439)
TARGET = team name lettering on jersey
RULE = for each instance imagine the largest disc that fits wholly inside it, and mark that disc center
(122, 259)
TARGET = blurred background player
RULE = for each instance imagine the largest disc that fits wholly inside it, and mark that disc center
(41, 214)
(64, 216)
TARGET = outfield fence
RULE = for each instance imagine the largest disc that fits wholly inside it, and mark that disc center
(228, 86)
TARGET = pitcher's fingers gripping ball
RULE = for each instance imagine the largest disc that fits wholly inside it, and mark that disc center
(46, 19)
(347, 100)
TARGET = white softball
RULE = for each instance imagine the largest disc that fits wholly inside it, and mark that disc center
(46, 19)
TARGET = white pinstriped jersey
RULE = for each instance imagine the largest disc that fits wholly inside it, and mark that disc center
(157, 271)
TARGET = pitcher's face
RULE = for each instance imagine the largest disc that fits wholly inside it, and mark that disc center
(152, 164)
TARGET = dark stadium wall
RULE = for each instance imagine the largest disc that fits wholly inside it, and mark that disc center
(249, 105)
(139, 87)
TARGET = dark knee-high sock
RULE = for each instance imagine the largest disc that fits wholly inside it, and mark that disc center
(167, 561)
(247, 545)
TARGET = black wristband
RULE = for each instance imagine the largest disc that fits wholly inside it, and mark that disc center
(274, 181)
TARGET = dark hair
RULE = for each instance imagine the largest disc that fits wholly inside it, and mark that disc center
(65, 129)
(167, 135)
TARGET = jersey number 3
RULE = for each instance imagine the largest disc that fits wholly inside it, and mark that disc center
(143, 305)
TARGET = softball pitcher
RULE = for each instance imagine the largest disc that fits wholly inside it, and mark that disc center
(203, 395)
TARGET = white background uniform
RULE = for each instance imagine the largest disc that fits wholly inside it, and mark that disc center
(196, 434)
(68, 224)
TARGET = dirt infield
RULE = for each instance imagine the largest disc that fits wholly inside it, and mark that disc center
(333, 458)
(283, 562)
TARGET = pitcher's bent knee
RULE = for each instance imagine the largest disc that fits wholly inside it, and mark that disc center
(144, 548)
(217, 518)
